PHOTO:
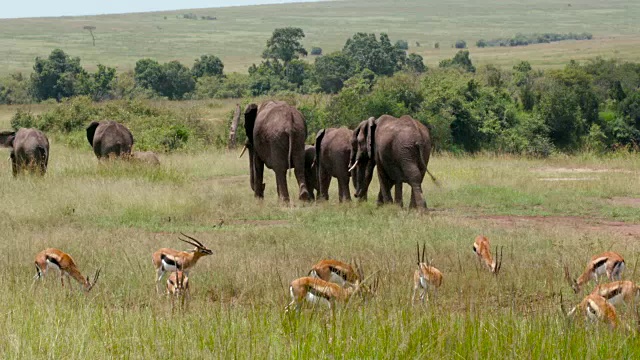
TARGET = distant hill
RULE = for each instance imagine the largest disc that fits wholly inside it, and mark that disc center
(238, 34)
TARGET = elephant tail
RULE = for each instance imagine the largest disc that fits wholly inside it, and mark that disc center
(423, 163)
(290, 153)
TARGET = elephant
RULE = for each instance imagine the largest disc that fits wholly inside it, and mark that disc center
(109, 138)
(146, 157)
(276, 133)
(310, 170)
(29, 150)
(333, 153)
(400, 148)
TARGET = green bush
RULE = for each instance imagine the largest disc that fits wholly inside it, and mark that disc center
(153, 127)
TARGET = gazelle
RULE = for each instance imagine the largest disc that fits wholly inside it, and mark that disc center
(341, 273)
(482, 249)
(64, 263)
(166, 259)
(178, 284)
(596, 308)
(618, 292)
(609, 263)
(425, 276)
(318, 291)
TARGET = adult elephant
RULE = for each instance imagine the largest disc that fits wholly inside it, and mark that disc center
(29, 150)
(310, 170)
(400, 148)
(276, 133)
(109, 138)
(333, 152)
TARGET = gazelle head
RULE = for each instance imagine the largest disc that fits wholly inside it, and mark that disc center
(178, 284)
(88, 285)
(572, 282)
(482, 249)
(360, 286)
(200, 249)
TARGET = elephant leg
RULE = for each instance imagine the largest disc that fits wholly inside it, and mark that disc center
(417, 200)
(384, 197)
(14, 165)
(398, 193)
(343, 189)
(281, 181)
(298, 168)
(258, 178)
(325, 182)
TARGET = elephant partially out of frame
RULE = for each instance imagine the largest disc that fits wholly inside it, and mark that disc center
(109, 138)
(400, 148)
(333, 150)
(276, 133)
(29, 150)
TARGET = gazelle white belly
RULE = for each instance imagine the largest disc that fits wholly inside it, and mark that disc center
(616, 300)
(169, 267)
(312, 299)
(337, 279)
(423, 282)
(52, 265)
(601, 270)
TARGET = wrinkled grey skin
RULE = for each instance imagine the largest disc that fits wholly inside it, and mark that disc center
(29, 150)
(362, 160)
(109, 139)
(310, 170)
(276, 133)
(400, 148)
(147, 157)
(333, 152)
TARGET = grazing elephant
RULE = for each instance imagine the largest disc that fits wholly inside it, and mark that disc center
(333, 151)
(29, 150)
(400, 148)
(276, 133)
(146, 157)
(310, 170)
(109, 138)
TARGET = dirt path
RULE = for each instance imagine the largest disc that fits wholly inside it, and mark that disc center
(576, 222)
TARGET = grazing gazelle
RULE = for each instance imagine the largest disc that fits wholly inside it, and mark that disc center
(166, 259)
(609, 263)
(596, 308)
(316, 291)
(482, 248)
(178, 284)
(343, 274)
(64, 263)
(425, 276)
(618, 292)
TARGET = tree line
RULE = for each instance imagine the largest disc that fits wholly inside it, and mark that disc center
(590, 106)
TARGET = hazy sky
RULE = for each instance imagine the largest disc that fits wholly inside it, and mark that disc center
(38, 8)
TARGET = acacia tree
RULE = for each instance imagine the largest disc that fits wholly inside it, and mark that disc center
(284, 45)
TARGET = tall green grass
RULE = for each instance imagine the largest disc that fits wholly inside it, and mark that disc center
(113, 216)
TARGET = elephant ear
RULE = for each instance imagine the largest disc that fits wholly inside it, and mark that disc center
(371, 126)
(250, 114)
(91, 130)
(6, 138)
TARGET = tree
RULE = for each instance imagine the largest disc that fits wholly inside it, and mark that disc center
(403, 44)
(207, 65)
(381, 57)
(176, 81)
(284, 45)
(461, 60)
(98, 85)
(90, 29)
(461, 44)
(331, 71)
(296, 71)
(415, 63)
(148, 73)
(481, 43)
(55, 77)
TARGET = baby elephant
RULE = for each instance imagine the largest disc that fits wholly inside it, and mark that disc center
(29, 150)
(146, 157)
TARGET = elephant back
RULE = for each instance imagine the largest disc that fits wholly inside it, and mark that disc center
(110, 138)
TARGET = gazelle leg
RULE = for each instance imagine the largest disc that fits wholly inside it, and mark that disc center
(159, 274)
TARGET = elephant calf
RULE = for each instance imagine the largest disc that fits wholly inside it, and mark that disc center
(29, 150)
(310, 170)
(109, 138)
(333, 150)
(146, 157)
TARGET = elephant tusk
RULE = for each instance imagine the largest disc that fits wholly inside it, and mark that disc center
(243, 150)
(354, 166)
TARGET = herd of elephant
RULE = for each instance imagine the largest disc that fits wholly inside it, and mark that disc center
(276, 132)
(30, 147)
(398, 147)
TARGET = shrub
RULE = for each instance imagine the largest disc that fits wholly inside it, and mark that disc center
(402, 44)
(461, 44)
(316, 51)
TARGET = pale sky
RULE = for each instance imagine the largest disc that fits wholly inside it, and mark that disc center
(40, 8)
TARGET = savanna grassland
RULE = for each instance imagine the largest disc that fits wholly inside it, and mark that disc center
(113, 216)
(239, 33)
